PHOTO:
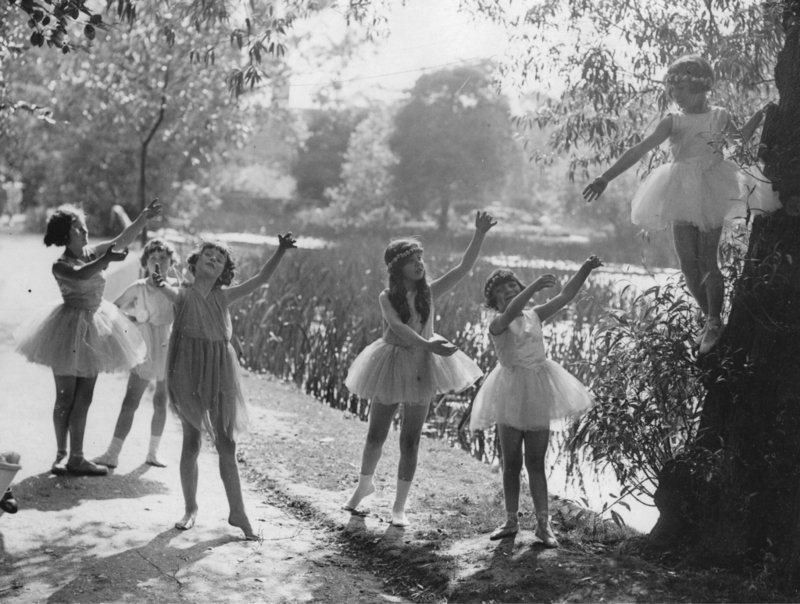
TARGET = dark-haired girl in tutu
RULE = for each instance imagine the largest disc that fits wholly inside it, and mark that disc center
(525, 391)
(410, 364)
(203, 372)
(153, 314)
(85, 335)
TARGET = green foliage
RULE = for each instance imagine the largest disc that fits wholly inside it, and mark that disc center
(648, 388)
(452, 140)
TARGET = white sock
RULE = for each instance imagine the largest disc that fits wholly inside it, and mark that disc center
(366, 487)
(154, 442)
(399, 507)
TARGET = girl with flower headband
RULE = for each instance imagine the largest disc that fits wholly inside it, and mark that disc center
(525, 391)
(410, 364)
(695, 192)
(203, 372)
(153, 314)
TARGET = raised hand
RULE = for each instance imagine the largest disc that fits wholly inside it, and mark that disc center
(544, 282)
(152, 210)
(112, 255)
(484, 221)
(158, 278)
(595, 189)
(442, 347)
(287, 242)
(593, 262)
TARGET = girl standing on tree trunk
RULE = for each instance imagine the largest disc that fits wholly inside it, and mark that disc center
(694, 192)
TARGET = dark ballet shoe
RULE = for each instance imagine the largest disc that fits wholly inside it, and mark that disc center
(8, 504)
(86, 468)
(503, 532)
(59, 467)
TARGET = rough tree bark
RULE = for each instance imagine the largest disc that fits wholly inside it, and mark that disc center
(736, 499)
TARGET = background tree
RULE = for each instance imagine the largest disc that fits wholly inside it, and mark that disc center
(452, 140)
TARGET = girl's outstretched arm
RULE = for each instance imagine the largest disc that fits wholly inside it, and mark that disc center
(501, 322)
(126, 237)
(628, 159)
(170, 291)
(571, 289)
(237, 292)
(438, 346)
(483, 222)
(85, 271)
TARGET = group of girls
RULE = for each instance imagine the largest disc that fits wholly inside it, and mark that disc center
(410, 364)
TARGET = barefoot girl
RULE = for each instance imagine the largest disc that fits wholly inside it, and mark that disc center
(693, 193)
(85, 335)
(410, 364)
(203, 373)
(525, 391)
(153, 314)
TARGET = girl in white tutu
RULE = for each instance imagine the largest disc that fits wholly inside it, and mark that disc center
(153, 314)
(410, 364)
(696, 191)
(85, 335)
(525, 391)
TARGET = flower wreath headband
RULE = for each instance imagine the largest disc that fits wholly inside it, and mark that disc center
(675, 78)
(403, 255)
(496, 281)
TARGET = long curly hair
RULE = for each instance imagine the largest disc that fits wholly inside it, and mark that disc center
(59, 225)
(157, 245)
(226, 278)
(398, 253)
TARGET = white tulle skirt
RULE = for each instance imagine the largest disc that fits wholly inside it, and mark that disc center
(156, 337)
(528, 398)
(688, 192)
(389, 374)
(81, 342)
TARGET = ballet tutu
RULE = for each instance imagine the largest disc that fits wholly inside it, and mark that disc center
(82, 342)
(693, 191)
(528, 398)
(391, 373)
(203, 384)
(156, 337)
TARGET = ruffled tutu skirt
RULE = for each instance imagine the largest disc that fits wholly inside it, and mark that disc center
(81, 342)
(528, 398)
(688, 192)
(156, 337)
(390, 373)
(204, 386)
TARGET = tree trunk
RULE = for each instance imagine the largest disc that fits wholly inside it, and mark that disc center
(735, 498)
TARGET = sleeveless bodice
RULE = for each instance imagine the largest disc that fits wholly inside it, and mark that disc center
(160, 310)
(203, 318)
(698, 137)
(86, 294)
(521, 344)
(415, 323)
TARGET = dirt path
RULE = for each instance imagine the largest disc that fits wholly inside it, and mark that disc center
(79, 539)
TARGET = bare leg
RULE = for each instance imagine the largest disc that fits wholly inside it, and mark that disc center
(133, 395)
(708, 244)
(229, 471)
(84, 391)
(414, 417)
(380, 421)
(536, 443)
(65, 399)
(687, 246)
(157, 423)
(189, 474)
(511, 445)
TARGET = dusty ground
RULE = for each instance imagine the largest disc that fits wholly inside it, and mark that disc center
(80, 539)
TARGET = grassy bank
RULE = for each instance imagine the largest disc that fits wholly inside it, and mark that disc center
(308, 454)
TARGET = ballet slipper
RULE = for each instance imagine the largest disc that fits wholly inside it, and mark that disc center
(545, 532)
(107, 460)
(507, 530)
(710, 337)
(152, 461)
(84, 467)
(187, 522)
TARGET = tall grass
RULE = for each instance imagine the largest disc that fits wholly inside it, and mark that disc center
(321, 309)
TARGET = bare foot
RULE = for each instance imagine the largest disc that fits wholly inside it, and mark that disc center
(364, 489)
(243, 522)
(152, 461)
(399, 517)
(187, 522)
